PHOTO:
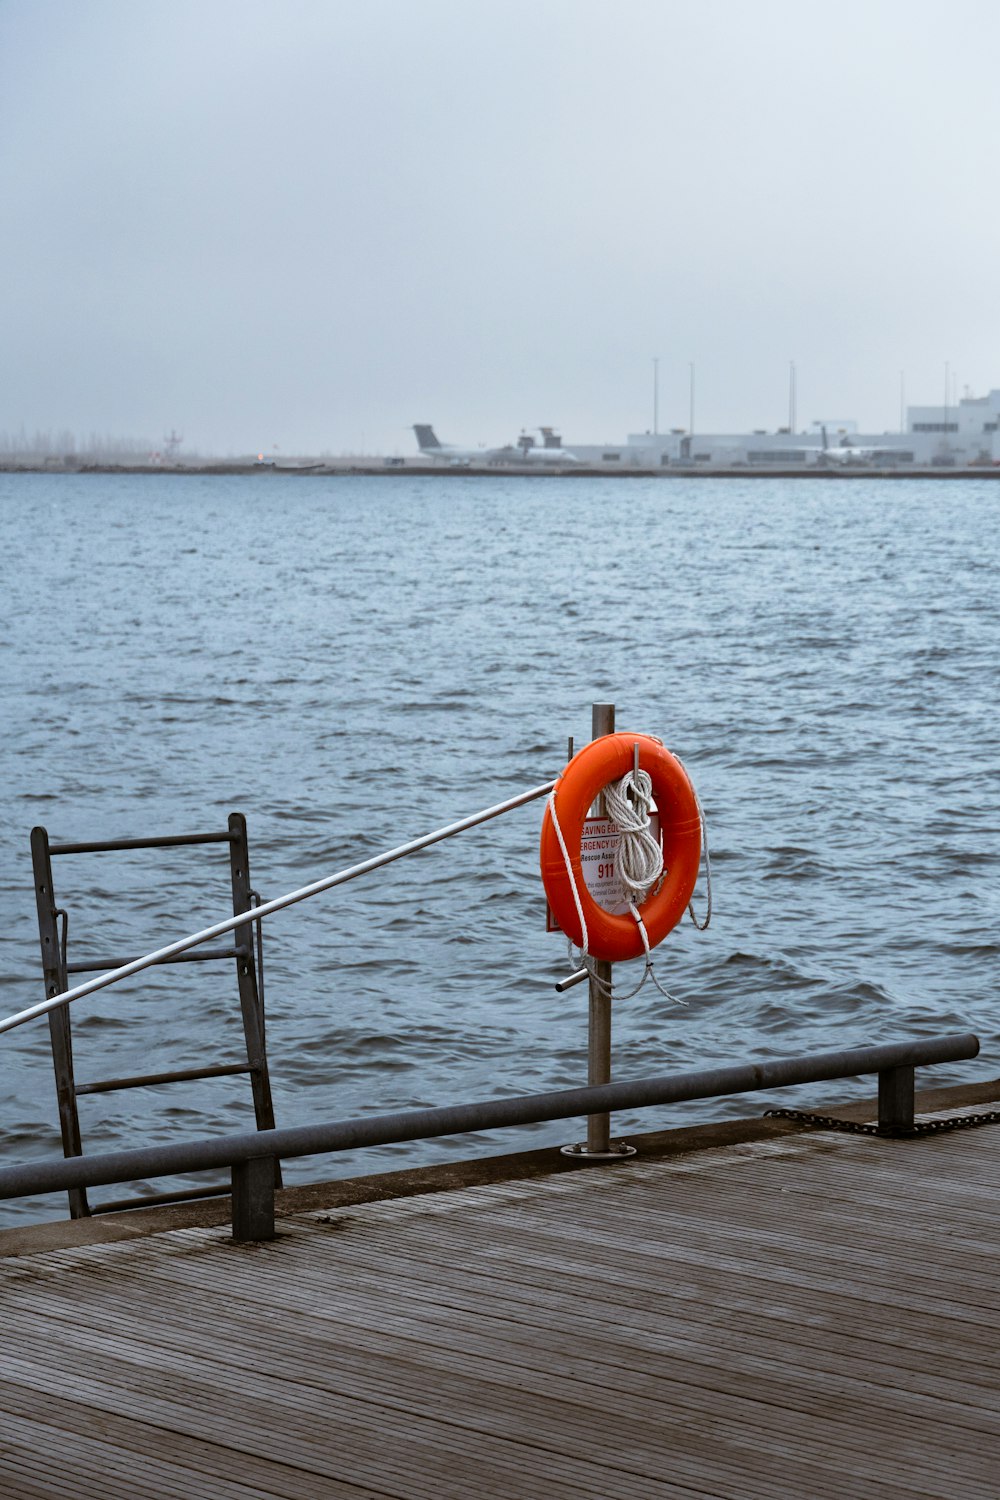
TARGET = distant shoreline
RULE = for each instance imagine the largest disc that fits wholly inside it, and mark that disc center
(510, 471)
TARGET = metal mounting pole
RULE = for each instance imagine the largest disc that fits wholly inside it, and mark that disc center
(599, 1043)
(599, 1146)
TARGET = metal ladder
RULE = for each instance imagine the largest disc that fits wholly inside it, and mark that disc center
(57, 969)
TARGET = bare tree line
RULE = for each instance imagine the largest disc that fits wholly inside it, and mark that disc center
(64, 445)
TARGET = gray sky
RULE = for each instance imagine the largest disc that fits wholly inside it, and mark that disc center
(310, 223)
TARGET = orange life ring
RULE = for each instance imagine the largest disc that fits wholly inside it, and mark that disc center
(604, 760)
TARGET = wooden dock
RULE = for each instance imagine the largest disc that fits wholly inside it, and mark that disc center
(811, 1316)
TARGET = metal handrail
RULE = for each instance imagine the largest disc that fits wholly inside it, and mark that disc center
(161, 955)
(894, 1062)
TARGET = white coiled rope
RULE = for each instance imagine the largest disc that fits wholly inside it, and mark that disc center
(628, 804)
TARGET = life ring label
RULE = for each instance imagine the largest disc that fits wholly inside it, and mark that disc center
(600, 846)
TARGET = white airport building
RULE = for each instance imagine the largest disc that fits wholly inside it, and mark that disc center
(962, 435)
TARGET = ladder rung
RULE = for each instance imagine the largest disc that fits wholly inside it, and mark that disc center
(108, 1085)
(168, 841)
(192, 956)
(154, 1199)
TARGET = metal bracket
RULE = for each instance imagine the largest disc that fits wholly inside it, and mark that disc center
(617, 1151)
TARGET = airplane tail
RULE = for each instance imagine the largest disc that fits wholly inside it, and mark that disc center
(425, 436)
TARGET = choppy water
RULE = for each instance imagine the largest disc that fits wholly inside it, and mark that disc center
(352, 662)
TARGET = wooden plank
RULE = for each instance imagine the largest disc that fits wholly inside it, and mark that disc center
(784, 1428)
(409, 1458)
(669, 1253)
(604, 1358)
(601, 1356)
(703, 1473)
(587, 1283)
(96, 1467)
(46, 1406)
(744, 1356)
(537, 1254)
(735, 1215)
(541, 1250)
(25, 1474)
(498, 1327)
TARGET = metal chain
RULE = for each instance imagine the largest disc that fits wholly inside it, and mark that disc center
(856, 1127)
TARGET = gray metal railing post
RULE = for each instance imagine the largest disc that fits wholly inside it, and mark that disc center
(599, 1010)
(895, 1101)
(598, 1145)
(253, 1199)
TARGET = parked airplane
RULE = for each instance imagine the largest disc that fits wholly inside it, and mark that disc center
(847, 452)
(525, 451)
(447, 452)
(842, 452)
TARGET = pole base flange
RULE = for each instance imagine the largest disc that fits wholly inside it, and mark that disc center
(618, 1151)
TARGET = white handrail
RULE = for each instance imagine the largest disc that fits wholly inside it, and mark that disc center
(112, 976)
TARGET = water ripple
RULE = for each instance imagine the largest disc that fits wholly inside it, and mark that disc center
(376, 658)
